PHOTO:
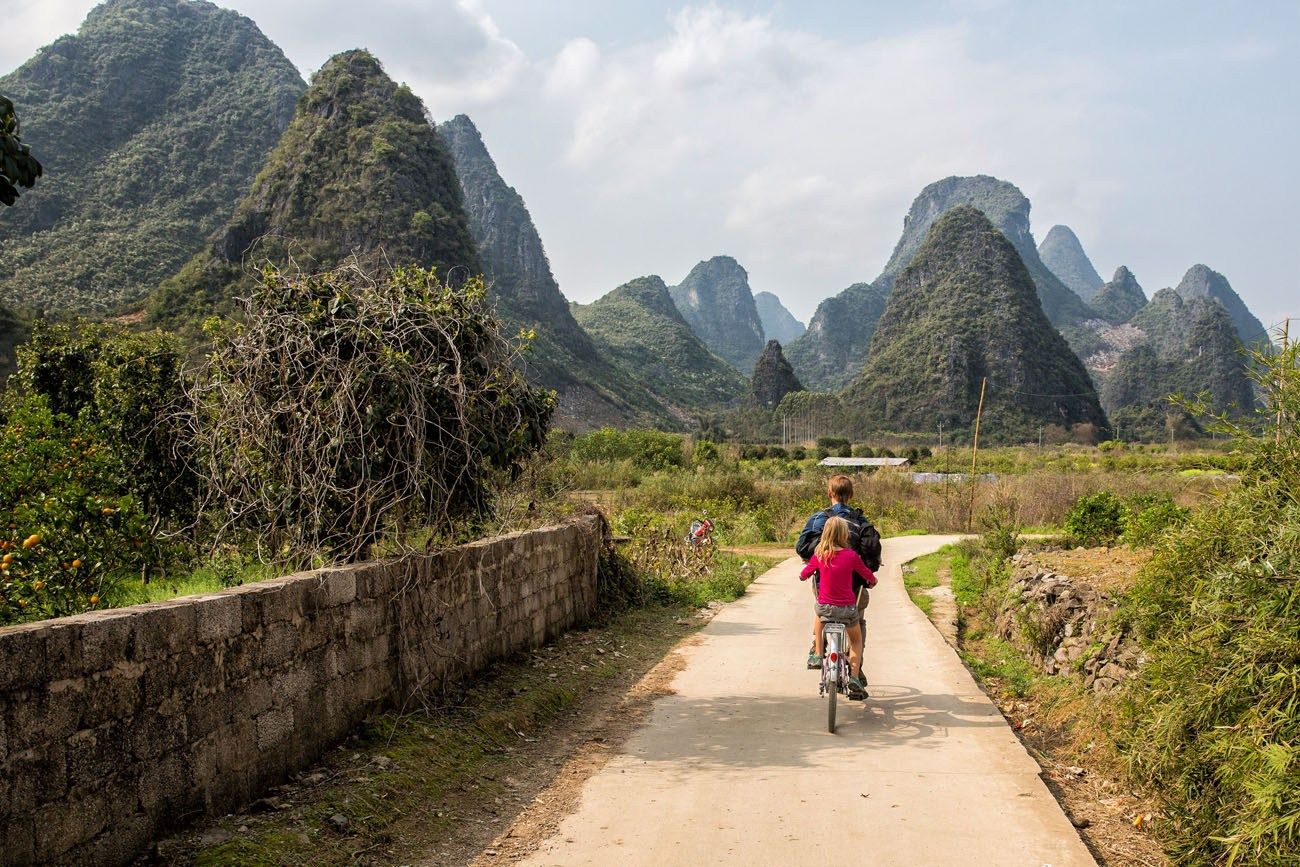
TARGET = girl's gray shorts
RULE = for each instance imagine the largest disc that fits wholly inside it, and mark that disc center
(846, 614)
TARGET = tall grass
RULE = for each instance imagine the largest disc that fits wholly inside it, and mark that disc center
(1214, 717)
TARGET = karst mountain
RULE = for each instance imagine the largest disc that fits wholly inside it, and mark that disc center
(1187, 347)
(639, 326)
(964, 308)
(832, 351)
(150, 121)
(591, 388)
(715, 299)
(1063, 255)
(778, 322)
(773, 377)
(1201, 281)
(358, 173)
(1117, 300)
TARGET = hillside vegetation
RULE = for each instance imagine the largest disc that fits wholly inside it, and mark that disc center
(716, 301)
(152, 120)
(638, 325)
(359, 172)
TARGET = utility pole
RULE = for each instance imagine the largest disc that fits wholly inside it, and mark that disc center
(1286, 334)
(974, 454)
(1040, 437)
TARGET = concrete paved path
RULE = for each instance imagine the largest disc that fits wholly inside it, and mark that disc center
(737, 766)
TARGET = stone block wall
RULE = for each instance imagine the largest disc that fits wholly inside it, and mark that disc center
(118, 726)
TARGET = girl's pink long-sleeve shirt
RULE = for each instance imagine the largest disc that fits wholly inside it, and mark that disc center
(835, 582)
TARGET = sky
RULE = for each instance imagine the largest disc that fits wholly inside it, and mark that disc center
(648, 136)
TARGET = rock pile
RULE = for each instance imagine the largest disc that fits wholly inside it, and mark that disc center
(1064, 625)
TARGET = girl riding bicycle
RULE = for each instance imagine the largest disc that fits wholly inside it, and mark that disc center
(836, 564)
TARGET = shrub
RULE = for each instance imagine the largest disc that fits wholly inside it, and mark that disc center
(646, 449)
(706, 454)
(798, 453)
(1149, 515)
(347, 405)
(71, 531)
(777, 453)
(862, 450)
(1096, 519)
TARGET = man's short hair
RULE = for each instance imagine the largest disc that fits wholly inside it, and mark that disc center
(840, 487)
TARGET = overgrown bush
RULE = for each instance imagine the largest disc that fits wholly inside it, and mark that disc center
(646, 449)
(1096, 519)
(1213, 718)
(345, 406)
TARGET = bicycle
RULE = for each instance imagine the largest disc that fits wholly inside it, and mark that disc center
(835, 668)
(700, 534)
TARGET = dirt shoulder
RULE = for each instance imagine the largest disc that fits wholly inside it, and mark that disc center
(437, 787)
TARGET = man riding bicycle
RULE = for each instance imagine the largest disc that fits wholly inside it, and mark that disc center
(863, 539)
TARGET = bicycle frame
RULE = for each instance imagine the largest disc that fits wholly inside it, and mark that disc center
(835, 667)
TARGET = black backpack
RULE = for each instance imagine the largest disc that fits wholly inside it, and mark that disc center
(863, 538)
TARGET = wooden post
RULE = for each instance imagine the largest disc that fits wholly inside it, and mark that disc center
(974, 455)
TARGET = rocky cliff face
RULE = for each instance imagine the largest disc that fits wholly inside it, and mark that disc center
(773, 377)
(1190, 347)
(1118, 300)
(592, 389)
(965, 308)
(1063, 255)
(1203, 282)
(151, 121)
(831, 353)
(716, 301)
(640, 327)
(359, 172)
(778, 323)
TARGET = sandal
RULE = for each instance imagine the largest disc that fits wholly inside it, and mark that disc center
(814, 661)
(856, 689)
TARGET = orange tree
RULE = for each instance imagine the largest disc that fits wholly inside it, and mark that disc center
(70, 535)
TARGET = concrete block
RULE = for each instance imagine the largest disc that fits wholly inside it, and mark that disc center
(162, 628)
(279, 643)
(273, 727)
(340, 585)
(62, 825)
(218, 617)
(22, 656)
(94, 754)
(19, 841)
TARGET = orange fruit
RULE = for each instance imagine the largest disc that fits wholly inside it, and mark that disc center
(108, 510)
(38, 585)
(32, 541)
(94, 599)
(76, 564)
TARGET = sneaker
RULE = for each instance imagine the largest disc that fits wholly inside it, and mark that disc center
(814, 661)
(856, 690)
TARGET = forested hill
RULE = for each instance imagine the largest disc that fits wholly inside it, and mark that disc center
(359, 172)
(1203, 282)
(833, 350)
(963, 309)
(639, 326)
(592, 388)
(150, 122)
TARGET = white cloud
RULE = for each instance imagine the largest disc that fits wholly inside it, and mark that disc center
(800, 153)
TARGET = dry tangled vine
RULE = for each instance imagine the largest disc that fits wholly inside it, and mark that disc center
(347, 406)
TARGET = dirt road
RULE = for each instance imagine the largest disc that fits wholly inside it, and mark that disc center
(736, 765)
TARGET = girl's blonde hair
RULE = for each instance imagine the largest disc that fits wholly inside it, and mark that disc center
(835, 535)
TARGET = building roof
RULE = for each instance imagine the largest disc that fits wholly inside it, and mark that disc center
(864, 462)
